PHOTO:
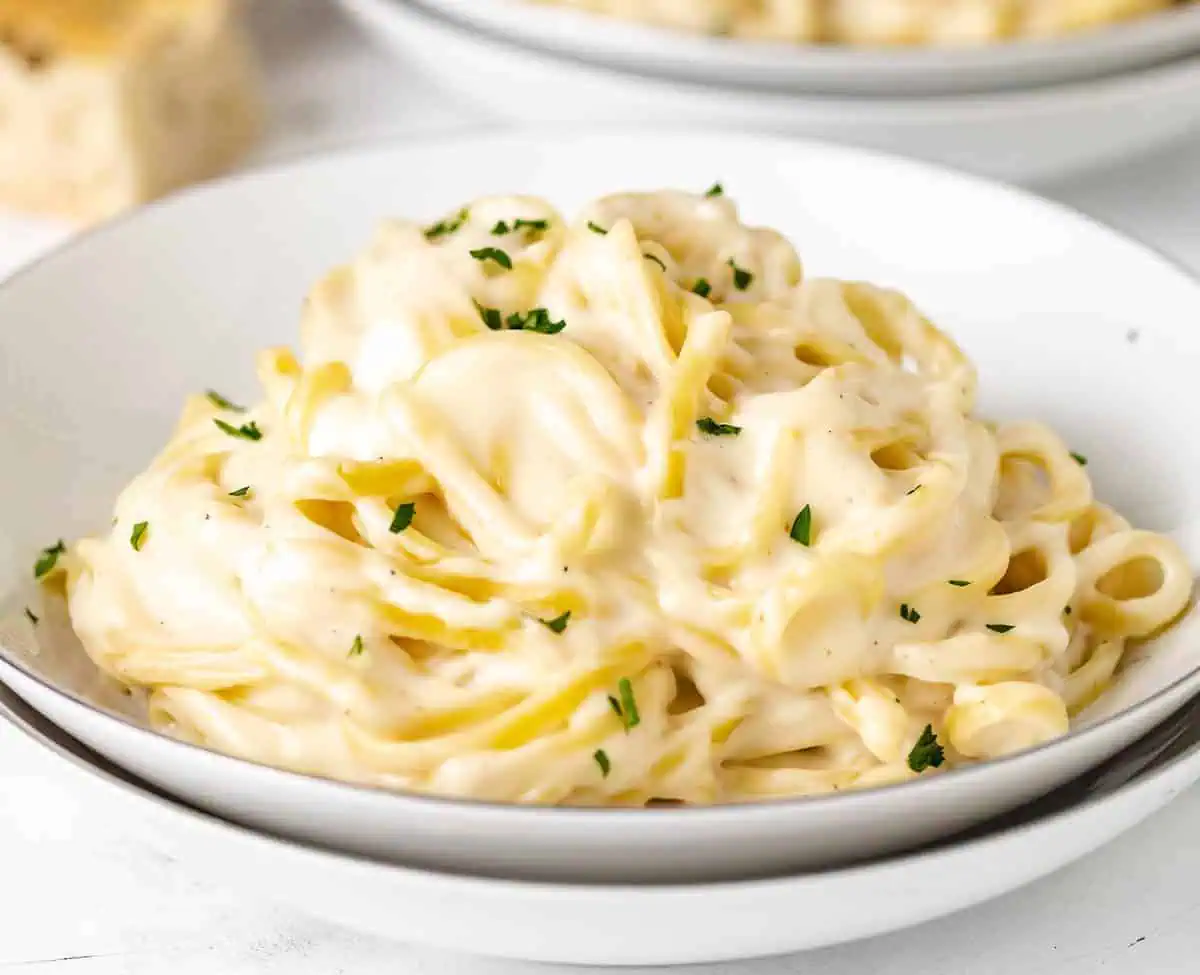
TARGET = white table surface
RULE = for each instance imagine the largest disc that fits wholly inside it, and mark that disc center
(79, 894)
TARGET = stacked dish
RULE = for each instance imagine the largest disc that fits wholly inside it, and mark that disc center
(417, 828)
(1026, 109)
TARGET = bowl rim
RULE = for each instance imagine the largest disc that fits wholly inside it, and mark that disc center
(89, 762)
(882, 62)
(516, 139)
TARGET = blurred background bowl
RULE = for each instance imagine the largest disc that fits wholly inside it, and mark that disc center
(1022, 134)
(833, 69)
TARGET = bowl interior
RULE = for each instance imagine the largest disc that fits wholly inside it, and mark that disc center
(1066, 321)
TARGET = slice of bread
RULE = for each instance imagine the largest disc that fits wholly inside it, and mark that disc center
(108, 103)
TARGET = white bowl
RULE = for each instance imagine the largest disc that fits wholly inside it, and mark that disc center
(1022, 135)
(827, 69)
(642, 925)
(103, 340)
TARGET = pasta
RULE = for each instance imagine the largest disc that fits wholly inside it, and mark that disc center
(613, 512)
(876, 22)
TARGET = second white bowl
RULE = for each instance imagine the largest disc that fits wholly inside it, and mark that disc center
(1022, 135)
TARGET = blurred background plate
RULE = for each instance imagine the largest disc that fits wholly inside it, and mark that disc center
(826, 69)
(1018, 135)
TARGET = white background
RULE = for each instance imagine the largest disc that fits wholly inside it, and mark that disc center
(79, 895)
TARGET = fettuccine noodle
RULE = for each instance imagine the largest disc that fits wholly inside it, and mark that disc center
(617, 511)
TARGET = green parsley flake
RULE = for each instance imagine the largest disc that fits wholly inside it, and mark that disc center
(48, 559)
(602, 760)
(242, 492)
(535, 320)
(221, 403)
(356, 648)
(1079, 459)
(536, 225)
(31, 616)
(403, 517)
(714, 429)
(742, 279)
(444, 228)
(1066, 610)
(137, 537)
(491, 317)
(1000, 627)
(558, 624)
(596, 228)
(801, 530)
(247, 431)
(912, 490)
(958, 582)
(926, 753)
(626, 707)
(702, 287)
(656, 260)
(493, 254)
(715, 190)
(909, 613)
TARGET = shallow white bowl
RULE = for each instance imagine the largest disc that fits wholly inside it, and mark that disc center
(102, 341)
(827, 69)
(1021, 135)
(644, 925)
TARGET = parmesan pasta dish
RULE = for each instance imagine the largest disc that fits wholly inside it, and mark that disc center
(876, 22)
(618, 511)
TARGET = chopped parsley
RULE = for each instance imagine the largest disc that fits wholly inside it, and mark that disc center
(714, 429)
(602, 760)
(32, 616)
(403, 517)
(242, 492)
(247, 431)
(742, 279)
(1079, 459)
(958, 582)
(48, 559)
(702, 287)
(137, 538)
(491, 317)
(926, 753)
(221, 403)
(909, 613)
(536, 320)
(625, 708)
(912, 490)
(715, 190)
(801, 530)
(1066, 610)
(444, 228)
(520, 223)
(596, 228)
(356, 648)
(558, 624)
(1000, 627)
(656, 260)
(495, 254)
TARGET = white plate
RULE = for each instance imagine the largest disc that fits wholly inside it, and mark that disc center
(102, 341)
(1020, 135)
(828, 69)
(643, 925)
